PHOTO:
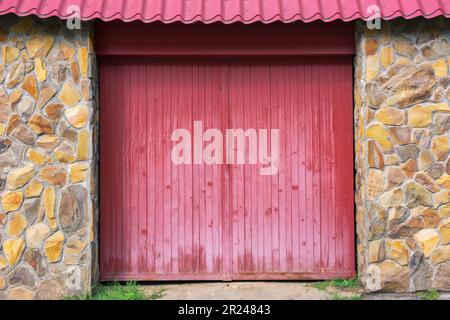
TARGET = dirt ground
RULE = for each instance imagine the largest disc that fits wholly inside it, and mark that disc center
(246, 291)
(266, 291)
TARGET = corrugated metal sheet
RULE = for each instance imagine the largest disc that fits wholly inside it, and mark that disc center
(165, 221)
(227, 11)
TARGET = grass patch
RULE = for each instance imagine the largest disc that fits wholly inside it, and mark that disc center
(337, 283)
(337, 296)
(322, 285)
(431, 294)
(117, 291)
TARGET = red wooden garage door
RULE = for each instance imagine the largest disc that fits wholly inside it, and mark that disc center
(167, 221)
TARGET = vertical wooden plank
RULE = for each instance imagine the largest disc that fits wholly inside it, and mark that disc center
(182, 122)
(215, 174)
(248, 116)
(134, 169)
(151, 97)
(167, 193)
(254, 183)
(203, 69)
(324, 187)
(297, 169)
(142, 169)
(273, 124)
(120, 238)
(174, 183)
(189, 171)
(283, 97)
(259, 75)
(290, 84)
(308, 92)
(105, 171)
(266, 180)
(316, 164)
(159, 169)
(224, 231)
(330, 147)
(209, 90)
(233, 85)
(347, 170)
(196, 173)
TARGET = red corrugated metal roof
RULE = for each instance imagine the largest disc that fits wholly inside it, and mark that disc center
(227, 11)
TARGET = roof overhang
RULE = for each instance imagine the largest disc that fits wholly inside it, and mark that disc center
(227, 11)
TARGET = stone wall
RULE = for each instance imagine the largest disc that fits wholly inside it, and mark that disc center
(46, 162)
(402, 124)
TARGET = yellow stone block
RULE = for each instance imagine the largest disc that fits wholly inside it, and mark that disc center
(440, 68)
(440, 147)
(15, 96)
(397, 250)
(30, 86)
(3, 262)
(11, 201)
(387, 56)
(39, 68)
(444, 231)
(19, 177)
(34, 189)
(69, 94)
(39, 43)
(427, 239)
(441, 254)
(379, 133)
(53, 247)
(67, 50)
(82, 56)
(421, 115)
(372, 67)
(10, 54)
(444, 181)
(77, 116)
(12, 249)
(19, 293)
(442, 197)
(49, 206)
(390, 116)
(403, 61)
(36, 157)
(16, 224)
(83, 145)
(78, 172)
(444, 211)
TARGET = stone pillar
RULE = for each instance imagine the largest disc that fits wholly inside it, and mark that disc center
(402, 124)
(47, 189)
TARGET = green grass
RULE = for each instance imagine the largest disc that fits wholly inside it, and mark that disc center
(337, 283)
(431, 294)
(337, 296)
(117, 291)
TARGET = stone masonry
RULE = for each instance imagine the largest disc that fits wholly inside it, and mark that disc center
(402, 130)
(46, 162)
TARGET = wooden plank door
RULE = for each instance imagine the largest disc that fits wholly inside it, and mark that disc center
(162, 221)
(297, 223)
